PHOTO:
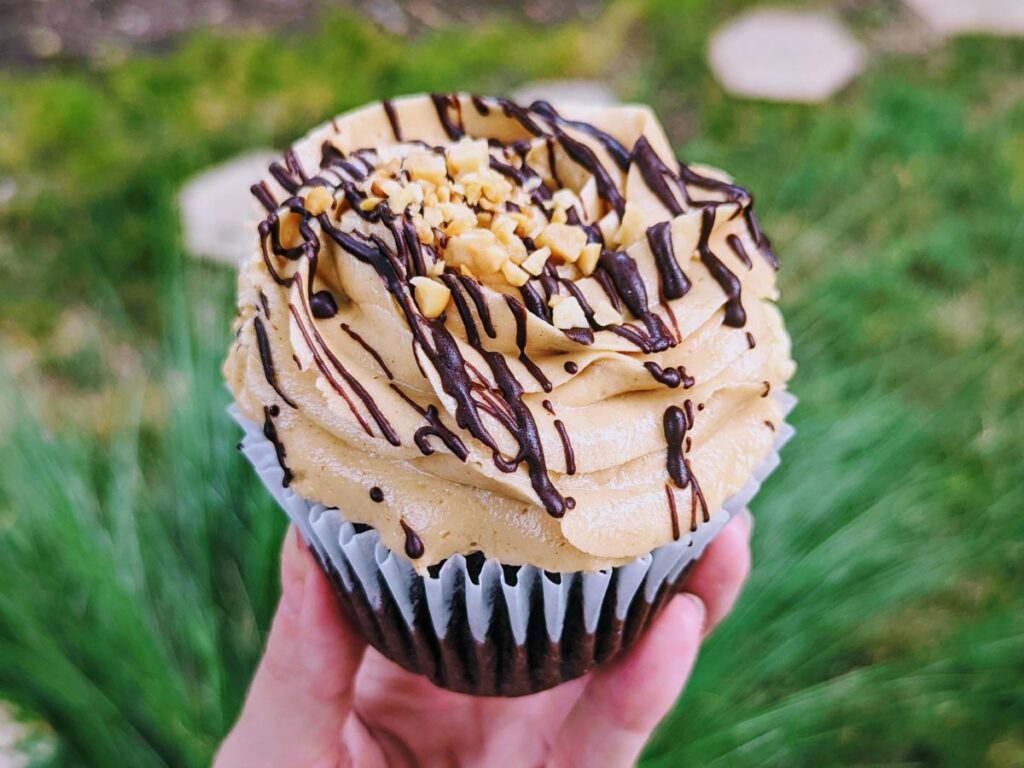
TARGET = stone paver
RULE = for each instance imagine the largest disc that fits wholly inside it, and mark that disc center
(589, 92)
(993, 17)
(218, 214)
(785, 55)
(21, 744)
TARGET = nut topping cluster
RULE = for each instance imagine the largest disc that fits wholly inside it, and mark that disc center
(493, 214)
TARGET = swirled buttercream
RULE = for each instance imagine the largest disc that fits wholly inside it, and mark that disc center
(479, 326)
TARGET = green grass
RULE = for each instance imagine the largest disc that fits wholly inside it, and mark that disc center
(884, 623)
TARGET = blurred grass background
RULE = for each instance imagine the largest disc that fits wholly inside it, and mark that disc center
(884, 623)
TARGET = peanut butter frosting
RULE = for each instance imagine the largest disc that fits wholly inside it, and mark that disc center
(484, 327)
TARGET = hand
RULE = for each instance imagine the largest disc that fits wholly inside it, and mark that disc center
(322, 699)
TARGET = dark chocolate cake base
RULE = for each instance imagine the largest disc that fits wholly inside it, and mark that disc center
(498, 666)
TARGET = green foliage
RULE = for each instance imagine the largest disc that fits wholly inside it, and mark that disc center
(884, 622)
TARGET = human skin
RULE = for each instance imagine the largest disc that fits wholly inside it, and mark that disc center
(321, 698)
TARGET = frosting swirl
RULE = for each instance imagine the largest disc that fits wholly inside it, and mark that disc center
(479, 326)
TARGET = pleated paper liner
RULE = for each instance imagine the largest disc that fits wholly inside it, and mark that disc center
(475, 626)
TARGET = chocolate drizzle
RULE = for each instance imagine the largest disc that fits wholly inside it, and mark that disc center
(674, 284)
(673, 514)
(670, 377)
(736, 244)
(263, 194)
(585, 158)
(625, 277)
(368, 402)
(263, 344)
(389, 110)
(446, 104)
(530, 448)
(615, 150)
(655, 173)
(676, 422)
(570, 458)
(323, 305)
(521, 115)
(270, 412)
(435, 428)
(519, 313)
(480, 105)
(735, 315)
(413, 543)
(370, 350)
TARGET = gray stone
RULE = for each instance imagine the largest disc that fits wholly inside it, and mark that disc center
(785, 55)
(218, 214)
(8, 189)
(22, 744)
(588, 92)
(952, 17)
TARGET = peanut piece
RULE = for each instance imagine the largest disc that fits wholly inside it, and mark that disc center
(318, 200)
(431, 296)
(569, 314)
(565, 241)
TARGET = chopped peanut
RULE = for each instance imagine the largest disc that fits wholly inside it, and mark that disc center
(632, 228)
(431, 296)
(534, 263)
(467, 156)
(478, 248)
(432, 216)
(590, 200)
(288, 229)
(504, 226)
(495, 186)
(608, 225)
(569, 314)
(564, 199)
(587, 262)
(516, 250)
(423, 231)
(426, 166)
(404, 197)
(318, 200)
(606, 315)
(461, 218)
(564, 240)
(514, 274)
(491, 259)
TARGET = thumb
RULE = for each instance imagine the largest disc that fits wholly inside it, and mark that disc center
(302, 691)
(623, 702)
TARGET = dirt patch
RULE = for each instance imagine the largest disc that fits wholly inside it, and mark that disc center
(38, 31)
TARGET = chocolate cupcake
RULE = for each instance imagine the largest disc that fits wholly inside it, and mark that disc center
(508, 369)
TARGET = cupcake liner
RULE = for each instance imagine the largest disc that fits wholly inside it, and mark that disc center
(476, 626)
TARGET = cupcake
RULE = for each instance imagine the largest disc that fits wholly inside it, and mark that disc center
(508, 369)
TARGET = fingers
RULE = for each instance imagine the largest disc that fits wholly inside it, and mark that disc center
(719, 575)
(302, 691)
(623, 702)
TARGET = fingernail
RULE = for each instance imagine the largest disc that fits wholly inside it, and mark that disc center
(297, 539)
(697, 603)
(293, 581)
(749, 521)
